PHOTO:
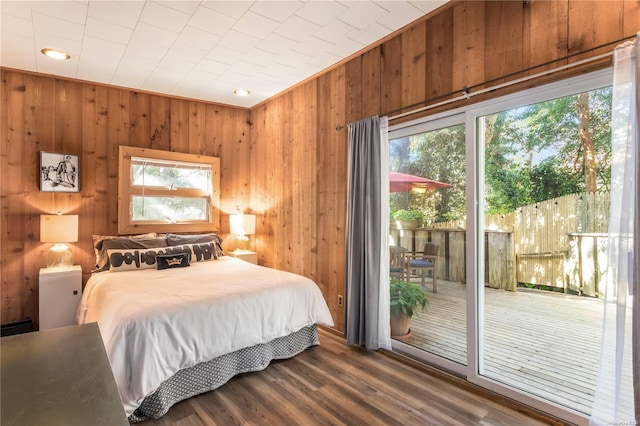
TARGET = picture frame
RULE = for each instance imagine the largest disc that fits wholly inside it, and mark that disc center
(59, 172)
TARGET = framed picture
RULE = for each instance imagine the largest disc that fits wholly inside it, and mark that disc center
(59, 172)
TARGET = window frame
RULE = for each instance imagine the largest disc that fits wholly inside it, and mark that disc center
(126, 191)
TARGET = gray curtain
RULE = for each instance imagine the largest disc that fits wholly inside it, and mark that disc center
(363, 233)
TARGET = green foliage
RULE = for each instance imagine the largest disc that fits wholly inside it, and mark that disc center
(170, 208)
(403, 214)
(441, 156)
(534, 153)
(170, 177)
(437, 155)
(405, 297)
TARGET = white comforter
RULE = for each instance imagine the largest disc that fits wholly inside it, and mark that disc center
(155, 323)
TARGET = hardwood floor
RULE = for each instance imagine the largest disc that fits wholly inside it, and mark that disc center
(335, 384)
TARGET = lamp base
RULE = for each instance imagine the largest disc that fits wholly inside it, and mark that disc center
(59, 256)
(243, 243)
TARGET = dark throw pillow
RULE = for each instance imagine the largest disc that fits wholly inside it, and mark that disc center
(178, 260)
(178, 240)
(197, 252)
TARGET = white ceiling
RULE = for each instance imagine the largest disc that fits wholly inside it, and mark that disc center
(197, 49)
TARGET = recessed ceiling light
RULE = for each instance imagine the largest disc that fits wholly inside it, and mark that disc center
(56, 54)
(242, 92)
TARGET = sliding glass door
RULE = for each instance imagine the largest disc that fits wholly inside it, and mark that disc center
(428, 170)
(525, 318)
(546, 205)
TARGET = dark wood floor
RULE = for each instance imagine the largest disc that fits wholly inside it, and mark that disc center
(335, 384)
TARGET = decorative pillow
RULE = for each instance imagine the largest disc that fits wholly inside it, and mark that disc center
(178, 260)
(97, 238)
(176, 240)
(197, 252)
(132, 259)
(123, 243)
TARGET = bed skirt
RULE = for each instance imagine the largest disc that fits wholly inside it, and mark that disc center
(212, 374)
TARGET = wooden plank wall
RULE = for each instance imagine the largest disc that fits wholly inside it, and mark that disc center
(41, 113)
(463, 44)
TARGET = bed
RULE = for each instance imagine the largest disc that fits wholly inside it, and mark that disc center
(177, 332)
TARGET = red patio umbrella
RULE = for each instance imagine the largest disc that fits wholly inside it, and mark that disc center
(402, 182)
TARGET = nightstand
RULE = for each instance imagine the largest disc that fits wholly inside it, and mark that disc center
(246, 255)
(60, 292)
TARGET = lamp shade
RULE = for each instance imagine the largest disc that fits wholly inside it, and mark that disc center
(56, 228)
(242, 224)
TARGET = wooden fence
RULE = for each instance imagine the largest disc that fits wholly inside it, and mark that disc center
(550, 243)
(586, 262)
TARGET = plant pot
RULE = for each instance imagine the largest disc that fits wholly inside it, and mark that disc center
(407, 224)
(403, 338)
(400, 325)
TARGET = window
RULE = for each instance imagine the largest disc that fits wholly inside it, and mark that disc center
(160, 191)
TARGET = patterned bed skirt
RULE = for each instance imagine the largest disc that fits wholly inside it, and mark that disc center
(212, 374)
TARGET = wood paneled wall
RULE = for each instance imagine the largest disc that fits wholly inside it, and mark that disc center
(289, 166)
(40, 113)
(298, 158)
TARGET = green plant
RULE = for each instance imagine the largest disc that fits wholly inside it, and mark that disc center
(408, 215)
(405, 297)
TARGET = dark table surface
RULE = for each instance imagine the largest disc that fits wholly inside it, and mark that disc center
(60, 376)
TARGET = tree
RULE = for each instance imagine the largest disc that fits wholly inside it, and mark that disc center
(588, 149)
(547, 150)
(400, 159)
(532, 153)
(437, 155)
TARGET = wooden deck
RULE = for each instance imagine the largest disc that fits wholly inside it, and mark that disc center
(546, 344)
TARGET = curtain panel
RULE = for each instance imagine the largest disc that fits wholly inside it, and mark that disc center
(367, 228)
(619, 375)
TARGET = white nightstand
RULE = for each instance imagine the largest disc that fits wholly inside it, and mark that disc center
(60, 292)
(246, 255)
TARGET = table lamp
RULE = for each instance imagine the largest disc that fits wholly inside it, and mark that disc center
(59, 229)
(242, 225)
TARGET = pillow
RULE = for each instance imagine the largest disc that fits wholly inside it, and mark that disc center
(132, 259)
(97, 238)
(176, 240)
(121, 243)
(178, 260)
(197, 252)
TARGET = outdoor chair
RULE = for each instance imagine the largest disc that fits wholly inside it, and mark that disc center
(426, 260)
(397, 263)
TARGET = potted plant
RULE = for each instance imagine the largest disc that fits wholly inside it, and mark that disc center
(405, 297)
(407, 219)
